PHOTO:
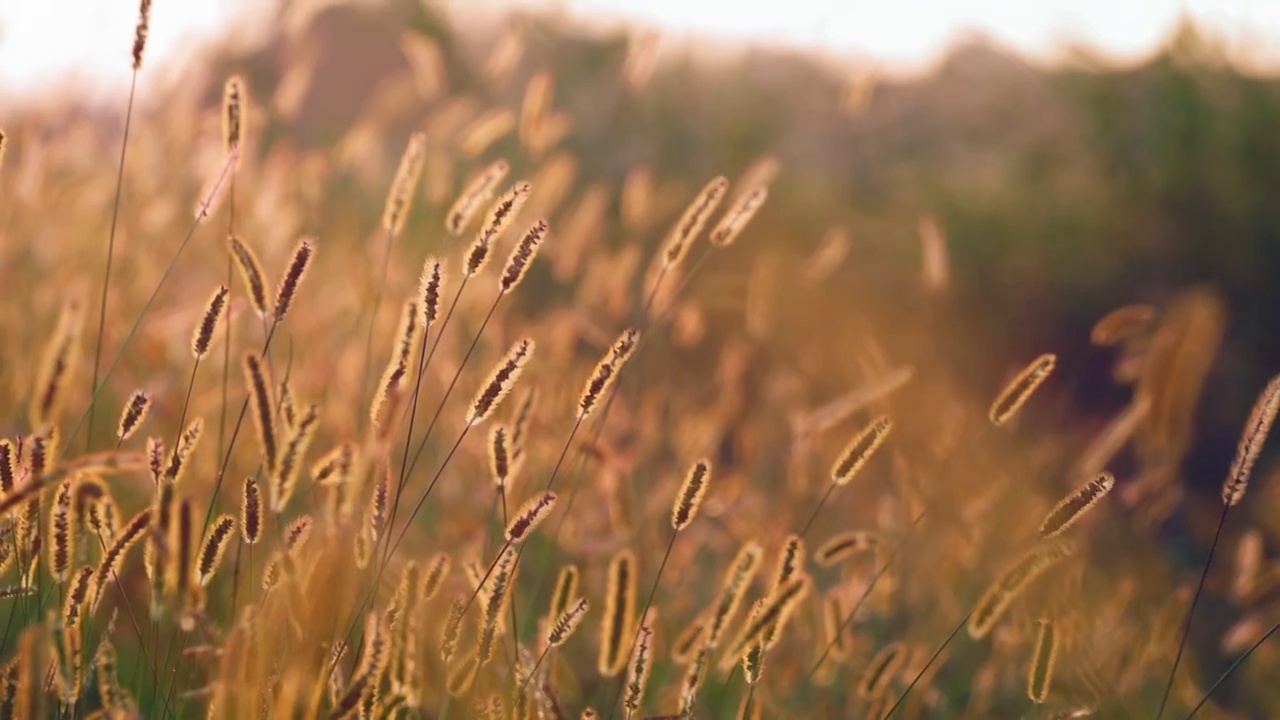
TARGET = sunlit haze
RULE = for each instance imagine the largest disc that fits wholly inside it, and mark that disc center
(46, 41)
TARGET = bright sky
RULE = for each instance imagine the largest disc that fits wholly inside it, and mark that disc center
(45, 40)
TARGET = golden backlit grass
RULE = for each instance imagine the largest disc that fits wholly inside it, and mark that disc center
(671, 355)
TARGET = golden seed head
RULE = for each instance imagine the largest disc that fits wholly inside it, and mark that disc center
(250, 272)
(529, 516)
(500, 381)
(400, 197)
(522, 256)
(233, 112)
(567, 622)
(860, 449)
(737, 217)
(135, 411)
(1074, 506)
(478, 190)
(1255, 435)
(1015, 394)
(692, 221)
(429, 287)
(692, 491)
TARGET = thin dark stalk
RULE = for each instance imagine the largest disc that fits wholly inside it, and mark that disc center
(235, 433)
(186, 403)
(610, 396)
(1230, 670)
(137, 323)
(933, 658)
(168, 652)
(613, 704)
(226, 347)
(1186, 628)
(537, 664)
(424, 362)
(871, 586)
(439, 409)
(373, 588)
(515, 630)
(413, 415)
(476, 593)
(449, 390)
(817, 509)
(111, 250)
(389, 240)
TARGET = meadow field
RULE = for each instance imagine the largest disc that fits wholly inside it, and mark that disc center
(417, 366)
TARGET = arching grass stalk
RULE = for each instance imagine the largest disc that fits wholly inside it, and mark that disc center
(111, 249)
(146, 308)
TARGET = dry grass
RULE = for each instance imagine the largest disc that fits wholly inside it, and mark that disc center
(286, 574)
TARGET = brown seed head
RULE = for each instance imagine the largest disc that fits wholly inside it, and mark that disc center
(500, 381)
(297, 269)
(250, 272)
(692, 490)
(429, 290)
(209, 323)
(522, 256)
(530, 515)
(140, 32)
(1255, 435)
(135, 411)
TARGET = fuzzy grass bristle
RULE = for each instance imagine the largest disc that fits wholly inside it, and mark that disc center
(606, 371)
(736, 217)
(140, 32)
(477, 191)
(692, 491)
(845, 545)
(250, 512)
(131, 418)
(1256, 430)
(250, 273)
(530, 516)
(1040, 672)
(500, 381)
(1014, 395)
(215, 544)
(737, 579)
(693, 220)
(182, 451)
(567, 622)
(1011, 582)
(58, 366)
(619, 613)
(860, 449)
(233, 111)
(263, 410)
(429, 286)
(882, 670)
(1073, 507)
(298, 265)
(400, 196)
(522, 256)
(213, 314)
(772, 616)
